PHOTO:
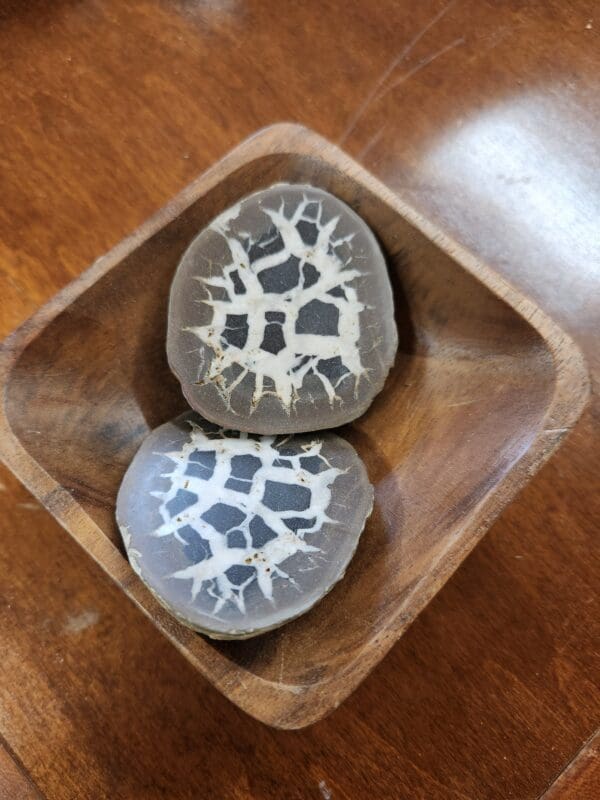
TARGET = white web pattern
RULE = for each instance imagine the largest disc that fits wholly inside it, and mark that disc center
(210, 572)
(287, 369)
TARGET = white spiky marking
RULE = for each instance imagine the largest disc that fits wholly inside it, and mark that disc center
(211, 571)
(285, 369)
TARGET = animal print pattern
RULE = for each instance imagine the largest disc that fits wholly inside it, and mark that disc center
(284, 307)
(239, 505)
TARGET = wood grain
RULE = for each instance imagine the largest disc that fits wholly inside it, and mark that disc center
(15, 784)
(106, 112)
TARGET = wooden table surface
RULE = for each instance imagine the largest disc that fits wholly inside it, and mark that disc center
(485, 116)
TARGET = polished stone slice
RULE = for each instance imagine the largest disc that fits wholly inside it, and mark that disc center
(281, 316)
(237, 533)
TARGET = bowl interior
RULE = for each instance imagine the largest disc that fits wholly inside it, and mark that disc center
(464, 401)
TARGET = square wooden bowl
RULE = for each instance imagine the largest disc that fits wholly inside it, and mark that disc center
(484, 388)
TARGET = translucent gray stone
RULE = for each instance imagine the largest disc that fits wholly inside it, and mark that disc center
(281, 316)
(237, 533)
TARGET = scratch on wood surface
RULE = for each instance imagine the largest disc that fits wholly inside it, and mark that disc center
(374, 93)
(462, 403)
(29, 506)
(370, 144)
(325, 790)
(423, 63)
